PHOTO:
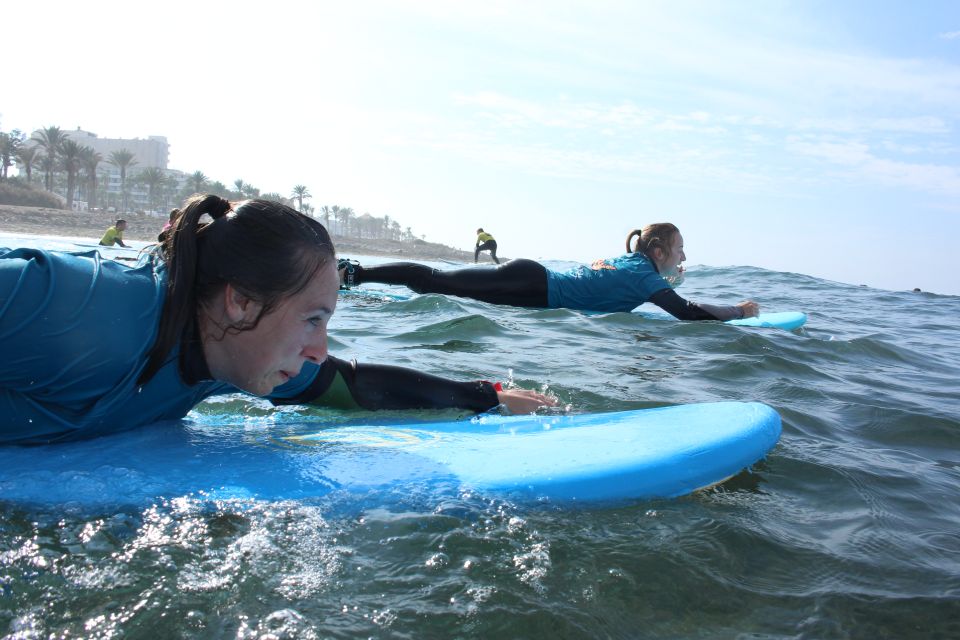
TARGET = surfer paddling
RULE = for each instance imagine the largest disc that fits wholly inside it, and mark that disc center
(649, 271)
(240, 303)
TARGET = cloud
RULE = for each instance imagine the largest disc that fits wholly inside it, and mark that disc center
(741, 153)
(858, 157)
(950, 35)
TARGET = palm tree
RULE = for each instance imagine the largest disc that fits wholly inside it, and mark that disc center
(168, 188)
(47, 165)
(71, 158)
(10, 143)
(346, 213)
(325, 210)
(300, 192)
(152, 177)
(240, 186)
(335, 209)
(90, 159)
(50, 140)
(198, 181)
(220, 189)
(27, 158)
(123, 159)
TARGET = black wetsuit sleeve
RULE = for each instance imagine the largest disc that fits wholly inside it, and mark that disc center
(376, 386)
(672, 303)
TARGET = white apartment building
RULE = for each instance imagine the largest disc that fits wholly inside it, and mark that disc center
(149, 152)
(152, 151)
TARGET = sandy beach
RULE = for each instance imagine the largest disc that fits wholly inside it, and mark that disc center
(58, 222)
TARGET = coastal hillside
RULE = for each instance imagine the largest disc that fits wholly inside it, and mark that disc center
(60, 222)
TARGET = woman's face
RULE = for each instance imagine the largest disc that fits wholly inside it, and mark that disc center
(667, 264)
(262, 358)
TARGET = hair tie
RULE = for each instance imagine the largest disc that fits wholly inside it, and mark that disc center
(219, 208)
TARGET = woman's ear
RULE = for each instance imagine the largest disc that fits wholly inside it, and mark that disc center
(239, 309)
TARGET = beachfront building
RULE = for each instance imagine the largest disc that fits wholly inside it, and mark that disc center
(152, 151)
(151, 187)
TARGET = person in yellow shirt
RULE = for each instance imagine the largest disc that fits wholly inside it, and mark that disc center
(114, 235)
(485, 242)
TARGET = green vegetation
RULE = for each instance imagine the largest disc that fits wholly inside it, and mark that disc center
(17, 192)
(72, 171)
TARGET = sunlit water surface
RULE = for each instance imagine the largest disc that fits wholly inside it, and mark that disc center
(849, 529)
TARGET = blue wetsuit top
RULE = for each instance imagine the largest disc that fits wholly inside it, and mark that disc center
(76, 331)
(614, 284)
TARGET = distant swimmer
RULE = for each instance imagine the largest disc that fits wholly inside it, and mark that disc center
(114, 235)
(168, 225)
(485, 242)
(649, 271)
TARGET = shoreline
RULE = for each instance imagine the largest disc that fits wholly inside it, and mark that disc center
(83, 225)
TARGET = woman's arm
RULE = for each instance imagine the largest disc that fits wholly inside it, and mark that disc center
(672, 303)
(344, 384)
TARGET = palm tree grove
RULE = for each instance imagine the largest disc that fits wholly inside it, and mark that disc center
(56, 171)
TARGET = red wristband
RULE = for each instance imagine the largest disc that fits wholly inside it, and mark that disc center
(496, 385)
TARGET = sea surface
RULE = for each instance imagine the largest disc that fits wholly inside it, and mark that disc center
(849, 529)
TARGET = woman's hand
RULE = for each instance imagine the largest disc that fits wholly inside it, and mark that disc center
(518, 401)
(749, 308)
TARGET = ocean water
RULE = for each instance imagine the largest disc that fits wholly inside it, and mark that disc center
(849, 529)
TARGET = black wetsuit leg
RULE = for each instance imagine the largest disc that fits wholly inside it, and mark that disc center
(489, 245)
(493, 251)
(519, 283)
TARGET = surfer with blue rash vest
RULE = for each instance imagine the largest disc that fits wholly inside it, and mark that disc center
(648, 272)
(240, 303)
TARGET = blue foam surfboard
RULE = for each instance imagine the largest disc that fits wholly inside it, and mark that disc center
(788, 320)
(664, 452)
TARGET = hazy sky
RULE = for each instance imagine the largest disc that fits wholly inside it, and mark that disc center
(817, 137)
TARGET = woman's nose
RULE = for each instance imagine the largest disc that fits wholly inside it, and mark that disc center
(316, 350)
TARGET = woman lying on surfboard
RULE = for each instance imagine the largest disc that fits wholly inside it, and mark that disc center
(241, 303)
(647, 272)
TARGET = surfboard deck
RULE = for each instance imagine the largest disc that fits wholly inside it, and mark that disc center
(651, 453)
(787, 320)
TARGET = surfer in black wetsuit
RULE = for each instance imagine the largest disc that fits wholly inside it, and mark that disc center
(649, 271)
(485, 242)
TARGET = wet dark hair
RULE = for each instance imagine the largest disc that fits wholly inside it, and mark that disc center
(266, 250)
(653, 236)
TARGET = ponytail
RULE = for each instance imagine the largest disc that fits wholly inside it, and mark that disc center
(653, 236)
(179, 250)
